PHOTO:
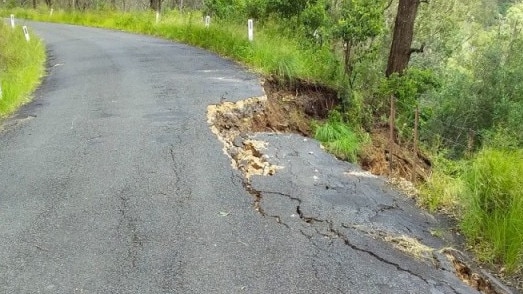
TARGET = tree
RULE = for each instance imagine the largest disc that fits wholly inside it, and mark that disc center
(358, 22)
(155, 5)
(400, 49)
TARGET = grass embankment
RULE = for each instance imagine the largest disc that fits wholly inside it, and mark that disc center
(271, 52)
(484, 192)
(21, 67)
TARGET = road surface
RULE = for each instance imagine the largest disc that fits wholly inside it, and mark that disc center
(111, 181)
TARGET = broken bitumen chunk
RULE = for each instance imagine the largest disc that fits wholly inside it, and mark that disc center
(227, 121)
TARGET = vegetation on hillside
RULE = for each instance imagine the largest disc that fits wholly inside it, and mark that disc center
(462, 77)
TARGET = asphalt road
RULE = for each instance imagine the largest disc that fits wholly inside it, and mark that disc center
(112, 182)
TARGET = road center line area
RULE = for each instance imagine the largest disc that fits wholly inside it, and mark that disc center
(115, 179)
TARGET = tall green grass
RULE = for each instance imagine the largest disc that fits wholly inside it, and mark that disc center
(443, 189)
(21, 67)
(493, 217)
(486, 194)
(339, 138)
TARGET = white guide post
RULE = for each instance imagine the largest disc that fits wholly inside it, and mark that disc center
(13, 21)
(51, 12)
(26, 33)
(157, 16)
(250, 29)
(207, 21)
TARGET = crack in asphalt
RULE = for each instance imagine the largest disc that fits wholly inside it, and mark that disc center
(371, 253)
(322, 227)
(329, 227)
(258, 198)
(182, 192)
(129, 225)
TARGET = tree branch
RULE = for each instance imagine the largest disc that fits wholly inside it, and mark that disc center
(388, 5)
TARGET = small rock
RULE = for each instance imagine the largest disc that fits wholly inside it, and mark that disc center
(238, 142)
(234, 152)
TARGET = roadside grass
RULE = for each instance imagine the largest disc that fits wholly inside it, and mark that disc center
(21, 67)
(486, 194)
(444, 187)
(493, 198)
(338, 138)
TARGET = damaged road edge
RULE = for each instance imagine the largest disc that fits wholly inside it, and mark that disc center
(231, 123)
(228, 120)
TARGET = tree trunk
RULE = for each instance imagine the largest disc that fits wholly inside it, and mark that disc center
(155, 5)
(400, 49)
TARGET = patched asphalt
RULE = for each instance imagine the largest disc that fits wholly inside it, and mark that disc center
(112, 182)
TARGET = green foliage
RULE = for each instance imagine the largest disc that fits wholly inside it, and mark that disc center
(359, 20)
(21, 66)
(339, 138)
(494, 206)
(485, 92)
(315, 19)
(256, 9)
(408, 89)
(444, 187)
(287, 8)
(224, 8)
